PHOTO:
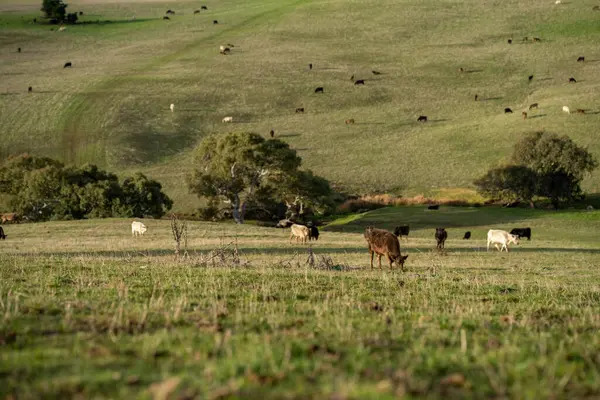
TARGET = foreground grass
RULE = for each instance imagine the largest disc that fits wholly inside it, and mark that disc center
(88, 311)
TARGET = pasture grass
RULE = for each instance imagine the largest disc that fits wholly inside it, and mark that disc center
(112, 107)
(88, 311)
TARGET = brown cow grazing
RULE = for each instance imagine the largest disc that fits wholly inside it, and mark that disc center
(581, 59)
(272, 133)
(382, 242)
(461, 69)
(440, 236)
(299, 110)
(2, 235)
(532, 106)
(30, 89)
(524, 114)
(507, 110)
(350, 121)
(422, 118)
(580, 111)
(537, 39)
(319, 90)
(572, 80)
(9, 217)
(360, 82)
(530, 78)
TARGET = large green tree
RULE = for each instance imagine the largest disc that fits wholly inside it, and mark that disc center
(56, 9)
(510, 183)
(240, 168)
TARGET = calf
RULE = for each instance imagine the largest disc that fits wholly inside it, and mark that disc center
(2, 235)
(521, 233)
(497, 237)
(68, 65)
(299, 232)
(507, 110)
(137, 228)
(509, 41)
(382, 242)
(534, 105)
(422, 118)
(467, 235)
(359, 82)
(299, 110)
(319, 90)
(581, 59)
(402, 230)
(350, 121)
(9, 217)
(440, 236)
(566, 109)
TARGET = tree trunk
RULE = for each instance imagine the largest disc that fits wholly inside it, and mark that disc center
(238, 210)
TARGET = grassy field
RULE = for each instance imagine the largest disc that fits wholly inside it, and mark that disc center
(112, 107)
(87, 311)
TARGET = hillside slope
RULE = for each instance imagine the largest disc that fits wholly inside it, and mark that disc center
(112, 107)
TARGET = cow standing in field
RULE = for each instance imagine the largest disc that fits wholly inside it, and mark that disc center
(467, 235)
(137, 228)
(440, 236)
(299, 232)
(499, 237)
(313, 231)
(9, 217)
(402, 231)
(382, 242)
(521, 233)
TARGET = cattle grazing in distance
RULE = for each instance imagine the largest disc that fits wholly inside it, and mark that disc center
(196, 11)
(204, 8)
(581, 59)
(80, 13)
(272, 133)
(536, 39)
(215, 22)
(172, 107)
(166, 18)
(2, 235)
(467, 235)
(382, 242)
(62, 29)
(566, 109)
(19, 50)
(299, 110)
(476, 97)
(138, 229)
(299, 232)
(227, 119)
(352, 78)
(313, 231)
(402, 230)
(530, 78)
(9, 217)
(350, 121)
(310, 66)
(521, 233)
(507, 110)
(359, 82)
(319, 90)
(524, 114)
(440, 236)
(500, 237)
(433, 207)
(509, 41)
(29, 89)
(376, 72)
(534, 105)
(580, 111)
(422, 118)
(68, 64)
(170, 12)
(572, 80)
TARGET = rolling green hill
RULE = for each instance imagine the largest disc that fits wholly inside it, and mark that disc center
(112, 107)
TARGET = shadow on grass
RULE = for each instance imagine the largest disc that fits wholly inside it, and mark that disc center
(116, 22)
(491, 98)
(536, 116)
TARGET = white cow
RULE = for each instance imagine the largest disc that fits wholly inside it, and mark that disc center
(137, 228)
(496, 237)
(172, 107)
(299, 232)
(228, 119)
(62, 29)
(566, 109)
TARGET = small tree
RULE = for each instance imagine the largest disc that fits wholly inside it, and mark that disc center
(54, 9)
(142, 196)
(510, 183)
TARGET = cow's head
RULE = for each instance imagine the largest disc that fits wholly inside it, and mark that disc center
(143, 228)
(513, 239)
(400, 260)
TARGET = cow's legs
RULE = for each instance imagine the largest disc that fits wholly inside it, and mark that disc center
(379, 260)
(372, 254)
(390, 260)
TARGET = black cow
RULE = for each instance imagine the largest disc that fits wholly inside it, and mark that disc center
(573, 80)
(376, 72)
(522, 233)
(170, 12)
(309, 66)
(581, 59)
(215, 22)
(80, 13)
(19, 50)
(509, 41)
(272, 133)
(530, 78)
(422, 118)
(507, 110)
(300, 110)
(402, 230)
(204, 8)
(359, 82)
(165, 17)
(319, 90)
(476, 97)
(313, 232)
(196, 11)
(2, 235)
(440, 236)
(68, 65)
(434, 207)
(30, 89)
(467, 235)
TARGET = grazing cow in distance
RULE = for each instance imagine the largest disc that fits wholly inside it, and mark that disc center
(227, 119)
(62, 29)
(497, 237)
(376, 72)
(350, 121)
(310, 66)
(196, 11)
(299, 232)
(521, 233)
(433, 207)
(2, 235)
(360, 82)
(204, 8)
(215, 22)
(461, 69)
(524, 114)
(30, 89)
(476, 97)
(402, 230)
(80, 13)
(440, 236)
(272, 133)
(530, 78)
(596, 8)
(137, 228)
(581, 59)
(422, 118)
(319, 90)
(313, 231)
(352, 78)
(165, 17)
(172, 107)
(9, 217)
(467, 235)
(509, 41)
(532, 106)
(382, 242)
(566, 109)
(68, 65)
(507, 110)
(19, 50)
(537, 39)
(300, 110)
(170, 12)
(572, 80)
(580, 111)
